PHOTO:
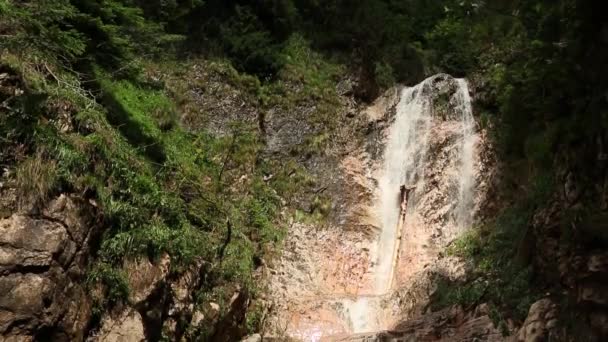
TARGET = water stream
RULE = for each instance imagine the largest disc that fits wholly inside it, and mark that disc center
(405, 158)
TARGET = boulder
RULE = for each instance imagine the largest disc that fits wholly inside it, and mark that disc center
(125, 327)
(145, 276)
(541, 322)
(252, 338)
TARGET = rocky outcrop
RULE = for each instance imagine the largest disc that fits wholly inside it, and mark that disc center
(331, 262)
(324, 272)
(448, 325)
(541, 323)
(42, 265)
(125, 327)
(162, 303)
(570, 258)
(144, 276)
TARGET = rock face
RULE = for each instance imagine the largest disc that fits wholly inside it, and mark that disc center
(42, 260)
(448, 325)
(126, 327)
(323, 266)
(569, 253)
(144, 277)
(541, 323)
(325, 277)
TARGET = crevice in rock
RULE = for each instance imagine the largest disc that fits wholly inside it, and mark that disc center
(25, 269)
(154, 311)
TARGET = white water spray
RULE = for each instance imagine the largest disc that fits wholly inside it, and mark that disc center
(467, 178)
(405, 159)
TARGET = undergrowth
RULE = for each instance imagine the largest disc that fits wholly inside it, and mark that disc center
(93, 124)
(161, 189)
(499, 253)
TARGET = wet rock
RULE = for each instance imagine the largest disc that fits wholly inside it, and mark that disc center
(335, 262)
(381, 107)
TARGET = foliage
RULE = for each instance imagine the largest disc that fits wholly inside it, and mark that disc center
(115, 281)
(542, 103)
(499, 276)
(42, 27)
(450, 39)
(499, 253)
(249, 44)
(160, 189)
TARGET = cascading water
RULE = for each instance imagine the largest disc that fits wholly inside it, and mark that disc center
(467, 178)
(405, 159)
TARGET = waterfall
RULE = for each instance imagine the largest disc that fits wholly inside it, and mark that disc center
(467, 178)
(406, 158)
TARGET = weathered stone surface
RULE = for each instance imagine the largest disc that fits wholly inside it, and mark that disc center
(28, 242)
(230, 327)
(541, 322)
(451, 324)
(125, 327)
(41, 272)
(323, 269)
(182, 287)
(252, 338)
(144, 276)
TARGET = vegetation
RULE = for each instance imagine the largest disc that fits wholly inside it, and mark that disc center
(543, 107)
(500, 255)
(92, 121)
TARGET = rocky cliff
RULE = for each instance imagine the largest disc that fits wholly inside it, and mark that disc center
(43, 261)
(324, 270)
